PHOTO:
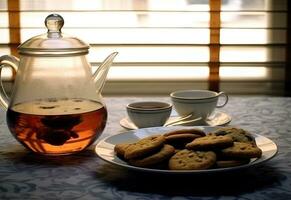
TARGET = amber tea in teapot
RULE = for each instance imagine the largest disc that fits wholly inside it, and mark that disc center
(56, 105)
(46, 125)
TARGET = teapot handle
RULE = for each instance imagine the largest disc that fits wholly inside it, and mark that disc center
(7, 61)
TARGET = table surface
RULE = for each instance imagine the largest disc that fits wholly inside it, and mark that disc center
(24, 175)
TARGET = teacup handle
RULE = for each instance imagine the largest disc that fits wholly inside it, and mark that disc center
(225, 97)
(10, 61)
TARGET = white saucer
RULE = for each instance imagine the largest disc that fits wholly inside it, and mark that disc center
(216, 119)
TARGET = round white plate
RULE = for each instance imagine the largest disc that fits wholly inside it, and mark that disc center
(216, 119)
(105, 149)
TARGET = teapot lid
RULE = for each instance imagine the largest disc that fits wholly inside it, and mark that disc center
(54, 42)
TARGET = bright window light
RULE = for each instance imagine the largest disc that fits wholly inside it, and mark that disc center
(243, 54)
(243, 36)
(158, 73)
(243, 73)
(4, 19)
(4, 36)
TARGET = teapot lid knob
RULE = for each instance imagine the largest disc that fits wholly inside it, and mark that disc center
(54, 23)
(53, 42)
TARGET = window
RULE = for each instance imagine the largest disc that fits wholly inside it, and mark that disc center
(238, 46)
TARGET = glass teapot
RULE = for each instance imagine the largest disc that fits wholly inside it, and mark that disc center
(56, 105)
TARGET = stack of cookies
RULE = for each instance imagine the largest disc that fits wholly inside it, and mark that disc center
(191, 149)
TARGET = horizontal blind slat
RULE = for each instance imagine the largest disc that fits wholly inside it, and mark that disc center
(252, 36)
(4, 36)
(252, 54)
(110, 5)
(263, 5)
(168, 36)
(4, 19)
(253, 19)
(120, 19)
(131, 36)
(185, 54)
(151, 54)
(227, 5)
(157, 19)
(190, 54)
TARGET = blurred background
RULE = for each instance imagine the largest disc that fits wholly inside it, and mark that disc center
(236, 46)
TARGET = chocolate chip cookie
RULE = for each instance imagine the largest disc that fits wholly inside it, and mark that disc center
(144, 147)
(158, 157)
(237, 134)
(242, 150)
(192, 160)
(210, 142)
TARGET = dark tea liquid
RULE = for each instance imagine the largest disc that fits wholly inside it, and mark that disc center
(57, 126)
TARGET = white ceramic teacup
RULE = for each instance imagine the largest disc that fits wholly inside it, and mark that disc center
(149, 113)
(199, 103)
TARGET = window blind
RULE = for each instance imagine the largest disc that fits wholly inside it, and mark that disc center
(237, 46)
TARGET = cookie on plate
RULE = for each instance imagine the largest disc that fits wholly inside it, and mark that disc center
(119, 149)
(196, 131)
(237, 134)
(210, 142)
(192, 160)
(154, 159)
(242, 150)
(144, 147)
(180, 140)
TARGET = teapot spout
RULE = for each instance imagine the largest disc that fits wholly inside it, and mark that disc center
(99, 77)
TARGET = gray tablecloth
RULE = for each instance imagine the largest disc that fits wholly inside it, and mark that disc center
(24, 175)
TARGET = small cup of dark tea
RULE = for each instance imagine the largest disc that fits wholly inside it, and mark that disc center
(149, 113)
